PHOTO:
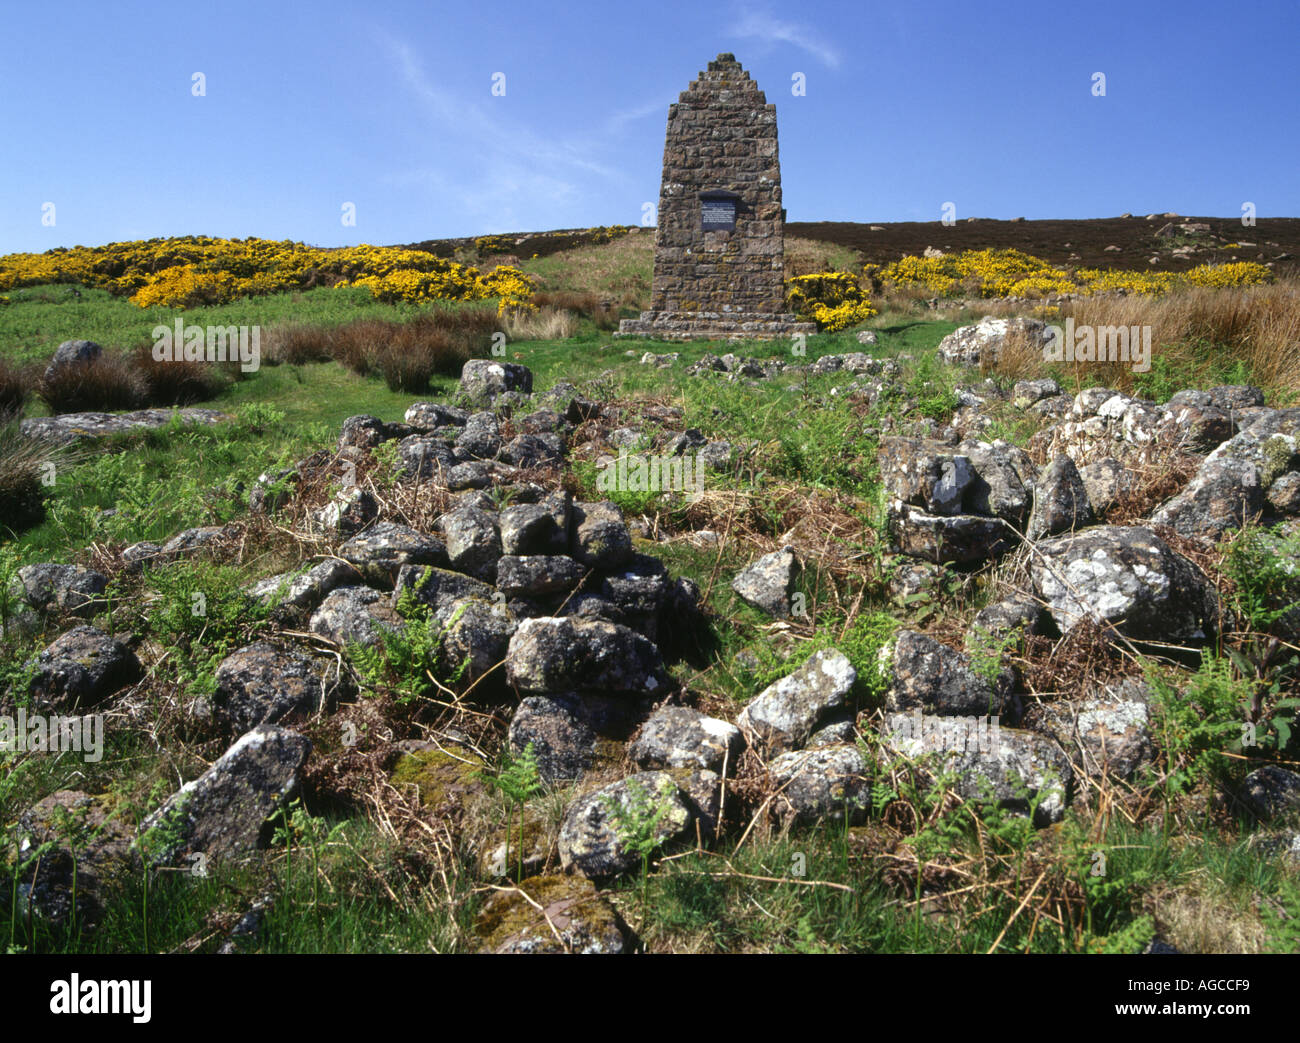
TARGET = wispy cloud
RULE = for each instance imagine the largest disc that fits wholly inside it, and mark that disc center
(506, 164)
(759, 25)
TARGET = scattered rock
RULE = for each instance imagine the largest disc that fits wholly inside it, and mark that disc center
(473, 541)
(786, 713)
(53, 589)
(550, 654)
(355, 615)
(482, 381)
(82, 668)
(1060, 501)
(926, 674)
(262, 683)
(679, 737)
(1271, 791)
(830, 783)
(591, 843)
(768, 583)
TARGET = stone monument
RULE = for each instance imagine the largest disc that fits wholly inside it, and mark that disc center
(720, 242)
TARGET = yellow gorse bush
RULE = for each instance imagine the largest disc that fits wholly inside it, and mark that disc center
(190, 270)
(1012, 273)
(833, 300)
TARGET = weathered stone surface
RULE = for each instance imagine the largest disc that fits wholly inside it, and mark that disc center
(191, 542)
(940, 538)
(537, 575)
(54, 589)
(67, 428)
(1224, 494)
(925, 475)
(366, 432)
(982, 343)
(531, 528)
(482, 381)
(830, 783)
(349, 511)
(561, 734)
(72, 353)
(589, 837)
(1030, 392)
(679, 737)
(439, 589)
(600, 536)
(768, 583)
(355, 615)
(272, 491)
(541, 450)
(1109, 731)
(385, 547)
(424, 457)
(1021, 612)
(1125, 576)
(263, 683)
(220, 814)
(1060, 501)
(1011, 767)
(550, 654)
(1003, 485)
(480, 438)
(430, 416)
(1271, 791)
(82, 668)
(478, 633)
(926, 674)
(570, 907)
(1106, 481)
(296, 595)
(473, 541)
(786, 713)
(470, 475)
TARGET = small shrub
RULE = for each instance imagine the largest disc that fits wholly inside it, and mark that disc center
(14, 389)
(176, 383)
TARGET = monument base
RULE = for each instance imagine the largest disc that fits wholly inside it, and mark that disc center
(714, 325)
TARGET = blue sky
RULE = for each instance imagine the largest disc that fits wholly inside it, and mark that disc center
(389, 106)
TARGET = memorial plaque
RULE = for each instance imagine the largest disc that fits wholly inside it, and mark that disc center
(718, 213)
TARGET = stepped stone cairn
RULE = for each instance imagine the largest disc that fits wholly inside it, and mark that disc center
(720, 244)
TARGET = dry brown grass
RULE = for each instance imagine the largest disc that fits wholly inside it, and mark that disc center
(547, 323)
(108, 383)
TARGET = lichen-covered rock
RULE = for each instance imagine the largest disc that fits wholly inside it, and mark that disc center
(355, 615)
(294, 596)
(1060, 501)
(469, 475)
(679, 737)
(829, 783)
(53, 589)
(561, 914)
(438, 589)
(221, 813)
(348, 512)
(381, 550)
(537, 575)
(534, 450)
(82, 668)
(982, 343)
(1030, 392)
(1109, 731)
(423, 457)
(1020, 612)
(532, 528)
(561, 733)
(786, 713)
(366, 432)
(262, 683)
(1003, 485)
(482, 381)
(204, 539)
(480, 438)
(600, 537)
(1271, 791)
(72, 353)
(429, 416)
(1017, 769)
(477, 635)
(1126, 577)
(1106, 481)
(551, 654)
(925, 674)
(768, 583)
(1223, 495)
(925, 474)
(962, 538)
(473, 541)
(591, 840)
